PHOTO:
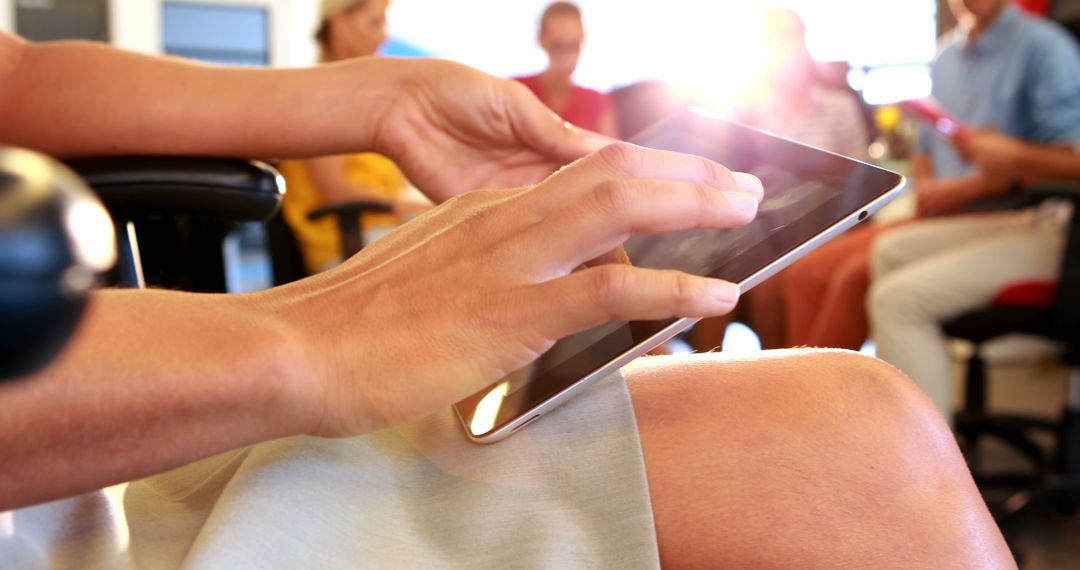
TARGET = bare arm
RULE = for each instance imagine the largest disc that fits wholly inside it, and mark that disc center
(1008, 156)
(81, 98)
(922, 168)
(450, 128)
(1049, 162)
(152, 380)
(941, 196)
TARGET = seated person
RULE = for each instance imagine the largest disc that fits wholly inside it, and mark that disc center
(790, 99)
(1000, 68)
(348, 29)
(928, 272)
(689, 461)
(562, 35)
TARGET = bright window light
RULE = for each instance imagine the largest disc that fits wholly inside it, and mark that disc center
(892, 84)
(708, 47)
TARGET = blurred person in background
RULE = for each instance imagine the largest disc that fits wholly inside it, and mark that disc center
(1015, 79)
(562, 36)
(791, 98)
(1001, 69)
(348, 29)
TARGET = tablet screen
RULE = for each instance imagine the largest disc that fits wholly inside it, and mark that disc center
(806, 192)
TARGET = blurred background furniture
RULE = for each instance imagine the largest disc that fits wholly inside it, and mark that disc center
(1050, 311)
(172, 214)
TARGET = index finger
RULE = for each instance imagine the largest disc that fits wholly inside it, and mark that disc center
(627, 161)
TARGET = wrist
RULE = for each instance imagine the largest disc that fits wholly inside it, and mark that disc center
(324, 389)
(406, 79)
(287, 390)
(350, 100)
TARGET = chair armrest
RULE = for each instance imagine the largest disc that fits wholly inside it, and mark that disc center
(350, 223)
(352, 209)
(228, 189)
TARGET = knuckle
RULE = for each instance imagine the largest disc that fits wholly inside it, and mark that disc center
(607, 283)
(705, 195)
(714, 172)
(684, 290)
(623, 158)
(613, 197)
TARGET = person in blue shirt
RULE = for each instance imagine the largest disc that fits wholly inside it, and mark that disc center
(1002, 71)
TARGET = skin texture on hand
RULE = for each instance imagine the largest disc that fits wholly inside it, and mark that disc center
(455, 300)
(454, 129)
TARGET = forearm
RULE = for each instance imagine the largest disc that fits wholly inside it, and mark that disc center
(922, 168)
(1041, 162)
(151, 381)
(77, 98)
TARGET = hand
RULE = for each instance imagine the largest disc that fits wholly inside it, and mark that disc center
(990, 150)
(453, 129)
(473, 290)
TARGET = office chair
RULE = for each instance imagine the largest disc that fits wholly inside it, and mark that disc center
(285, 249)
(190, 204)
(1049, 311)
(55, 240)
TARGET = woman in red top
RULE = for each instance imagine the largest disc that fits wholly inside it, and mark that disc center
(562, 35)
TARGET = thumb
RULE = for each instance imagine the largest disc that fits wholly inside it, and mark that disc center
(546, 133)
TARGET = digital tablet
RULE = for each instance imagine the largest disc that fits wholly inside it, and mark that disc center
(811, 196)
(929, 111)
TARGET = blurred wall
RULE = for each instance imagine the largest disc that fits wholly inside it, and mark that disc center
(136, 25)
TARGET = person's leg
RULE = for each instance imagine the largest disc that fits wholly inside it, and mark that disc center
(908, 305)
(901, 245)
(764, 310)
(804, 459)
(841, 321)
(808, 281)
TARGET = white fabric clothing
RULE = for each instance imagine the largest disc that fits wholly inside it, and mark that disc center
(930, 271)
(569, 491)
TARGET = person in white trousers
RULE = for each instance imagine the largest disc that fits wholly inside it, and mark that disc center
(928, 272)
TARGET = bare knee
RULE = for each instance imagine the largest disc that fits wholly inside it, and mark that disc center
(838, 386)
(830, 411)
(769, 459)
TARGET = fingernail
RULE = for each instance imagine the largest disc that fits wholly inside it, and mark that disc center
(742, 201)
(749, 183)
(723, 291)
